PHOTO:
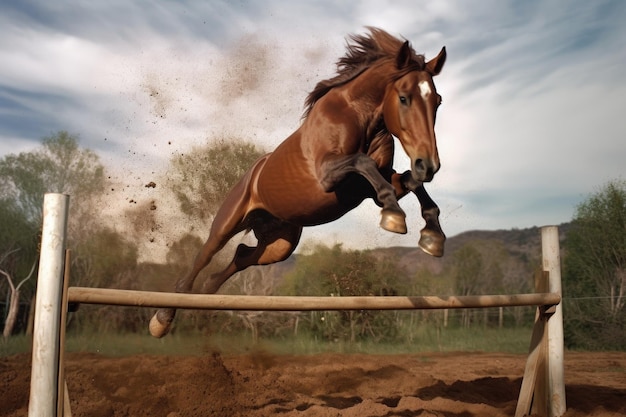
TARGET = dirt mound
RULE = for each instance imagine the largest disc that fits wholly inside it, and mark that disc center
(260, 384)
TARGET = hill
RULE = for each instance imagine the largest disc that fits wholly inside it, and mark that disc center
(515, 254)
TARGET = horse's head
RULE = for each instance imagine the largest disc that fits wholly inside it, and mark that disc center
(410, 108)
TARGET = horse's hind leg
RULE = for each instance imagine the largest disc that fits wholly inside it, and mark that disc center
(162, 319)
(276, 241)
(228, 221)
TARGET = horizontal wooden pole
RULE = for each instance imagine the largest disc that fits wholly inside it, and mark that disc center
(289, 303)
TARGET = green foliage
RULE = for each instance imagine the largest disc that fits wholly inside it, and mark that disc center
(467, 267)
(18, 240)
(337, 272)
(106, 259)
(486, 267)
(201, 178)
(427, 282)
(59, 166)
(427, 339)
(595, 271)
(333, 271)
(101, 256)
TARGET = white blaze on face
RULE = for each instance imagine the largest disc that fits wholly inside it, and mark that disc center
(425, 90)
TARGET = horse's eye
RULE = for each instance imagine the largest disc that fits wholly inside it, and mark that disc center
(403, 100)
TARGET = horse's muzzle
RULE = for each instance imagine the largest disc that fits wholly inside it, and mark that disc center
(424, 169)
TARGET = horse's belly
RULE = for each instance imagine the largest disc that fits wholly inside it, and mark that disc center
(301, 207)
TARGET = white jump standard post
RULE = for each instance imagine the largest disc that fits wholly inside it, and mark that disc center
(46, 347)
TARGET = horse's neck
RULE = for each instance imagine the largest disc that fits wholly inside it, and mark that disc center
(367, 92)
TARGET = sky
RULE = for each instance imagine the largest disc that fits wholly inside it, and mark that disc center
(532, 120)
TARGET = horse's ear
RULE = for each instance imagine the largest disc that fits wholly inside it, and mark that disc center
(435, 65)
(405, 55)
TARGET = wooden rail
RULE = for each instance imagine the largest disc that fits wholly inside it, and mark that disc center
(301, 303)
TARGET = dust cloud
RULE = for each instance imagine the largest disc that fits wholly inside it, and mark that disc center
(188, 96)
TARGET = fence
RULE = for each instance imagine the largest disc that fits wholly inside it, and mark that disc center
(542, 391)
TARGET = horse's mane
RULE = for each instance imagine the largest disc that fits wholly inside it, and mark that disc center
(362, 51)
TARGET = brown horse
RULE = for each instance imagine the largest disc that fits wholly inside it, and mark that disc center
(341, 154)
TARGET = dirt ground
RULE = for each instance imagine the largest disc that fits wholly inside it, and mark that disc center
(260, 384)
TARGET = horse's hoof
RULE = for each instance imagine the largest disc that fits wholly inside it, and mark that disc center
(158, 329)
(393, 222)
(432, 242)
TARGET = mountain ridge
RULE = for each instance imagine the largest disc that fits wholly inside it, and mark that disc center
(517, 250)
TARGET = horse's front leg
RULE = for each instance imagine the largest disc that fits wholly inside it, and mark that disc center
(334, 169)
(432, 238)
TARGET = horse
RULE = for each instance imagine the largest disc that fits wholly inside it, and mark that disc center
(341, 154)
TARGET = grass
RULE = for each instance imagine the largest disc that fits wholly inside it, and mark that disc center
(425, 339)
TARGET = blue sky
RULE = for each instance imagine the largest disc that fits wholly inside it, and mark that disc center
(532, 120)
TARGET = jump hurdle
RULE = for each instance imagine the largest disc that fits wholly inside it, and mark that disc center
(542, 391)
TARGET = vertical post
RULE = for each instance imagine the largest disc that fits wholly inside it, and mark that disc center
(45, 364)
(532, 392)
(63, 399)
(543, 388)
(555, 372)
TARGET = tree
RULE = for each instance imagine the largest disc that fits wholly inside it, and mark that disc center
(201, 178)
(467, 268)
(107, 259)
(19, 236)
(103, 259)
(14, 299)
(595, 269)
(59, 166)
(333, 271)
(18, 256)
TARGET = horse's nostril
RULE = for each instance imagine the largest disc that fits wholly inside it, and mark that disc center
(419, 166)
(423, 170)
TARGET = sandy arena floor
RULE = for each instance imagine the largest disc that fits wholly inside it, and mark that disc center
(259, 384)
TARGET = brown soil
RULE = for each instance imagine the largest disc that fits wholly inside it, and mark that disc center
(260, 384)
